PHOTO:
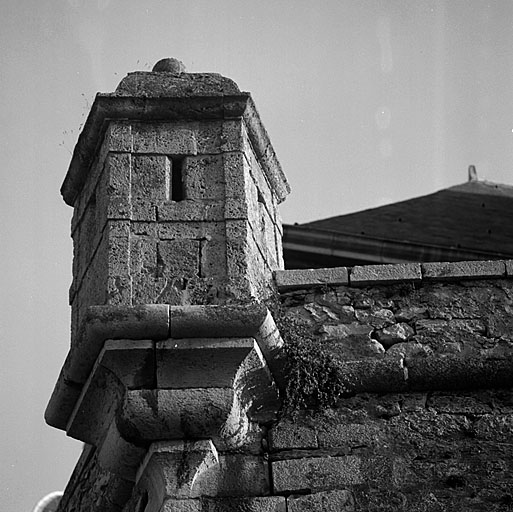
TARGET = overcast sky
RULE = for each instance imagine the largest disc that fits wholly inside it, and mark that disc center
(366, 102)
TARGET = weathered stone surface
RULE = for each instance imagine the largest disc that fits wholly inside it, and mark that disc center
(190, 210)
(101, 323)
(462, 403)
(117, 192)
(177, 465)
(383, 274)
(409, 349)
(238, 475)
(288, 434)
(183, 505)
(351, 341)
(177, 413)
(150, 186)
(463, 270)
(384, 375)
(177, 138)
(131, 361)
(200, 363)
(327, 501)
(316, 473)
(93, 488)
(119, 456)
(350, 436)
(144, 84)
(254, 504)
(217, 321)
(96, 406)
(397, 333)
(118, 137)
(509, 267)
(410, 313)
(377, 317)
(459, 372)
(297, 279)
(204, 178)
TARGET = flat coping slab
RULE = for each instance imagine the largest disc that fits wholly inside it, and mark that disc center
(369, 275)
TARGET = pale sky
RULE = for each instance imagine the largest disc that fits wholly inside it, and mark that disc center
(366, 102)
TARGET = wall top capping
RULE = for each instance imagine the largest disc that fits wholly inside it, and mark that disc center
(392, 274)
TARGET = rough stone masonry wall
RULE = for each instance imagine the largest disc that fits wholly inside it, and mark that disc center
(433, 339)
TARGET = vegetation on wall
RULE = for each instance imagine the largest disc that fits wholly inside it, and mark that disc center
(313, 378)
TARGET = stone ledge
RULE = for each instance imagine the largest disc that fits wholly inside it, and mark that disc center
(431, 373)
(295, 279)
(452, 271)
(368, 275)
(385, 274)
(155, 322)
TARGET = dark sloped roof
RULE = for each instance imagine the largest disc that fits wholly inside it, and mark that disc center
(475, 217)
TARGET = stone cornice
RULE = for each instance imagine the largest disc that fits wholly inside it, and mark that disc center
(109, 107)
(153, 322)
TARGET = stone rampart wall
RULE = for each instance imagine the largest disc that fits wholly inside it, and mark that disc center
(421, 418)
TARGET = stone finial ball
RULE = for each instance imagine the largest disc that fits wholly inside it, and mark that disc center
(169, 66)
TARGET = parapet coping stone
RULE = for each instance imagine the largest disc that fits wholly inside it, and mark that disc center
(368, 275)
(294, 279)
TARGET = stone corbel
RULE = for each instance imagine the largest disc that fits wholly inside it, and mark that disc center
(140, 391)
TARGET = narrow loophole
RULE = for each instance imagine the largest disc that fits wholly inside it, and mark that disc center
(177, 187)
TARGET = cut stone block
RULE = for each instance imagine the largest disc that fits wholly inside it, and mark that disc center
(327, 501)
(223, 321)
(204, 178)
(460, 372)
(119, 136)
(297, 279)
(164, 461)
(195, 469)
(384, 274)
(165, 138)
(200, 363)
(190, 210)
(252, 504)
(318, 473)
(177, 413)
(121, 364)
(150, 177)
(288, 435)
(119, 456)
(458, 270)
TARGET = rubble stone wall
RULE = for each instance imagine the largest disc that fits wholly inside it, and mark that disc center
(438, 434)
